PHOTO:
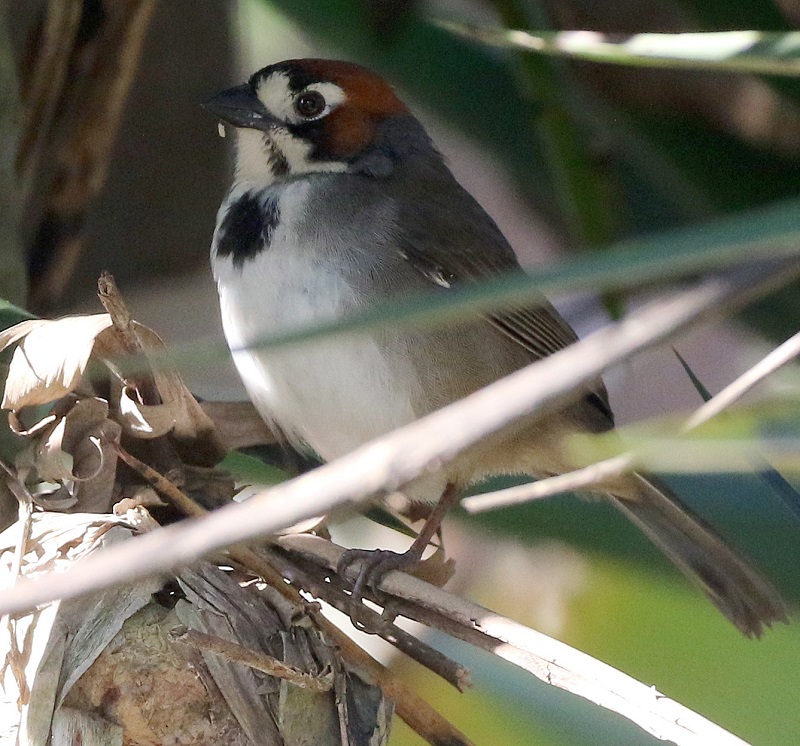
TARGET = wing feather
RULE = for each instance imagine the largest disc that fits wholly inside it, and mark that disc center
(537, 327)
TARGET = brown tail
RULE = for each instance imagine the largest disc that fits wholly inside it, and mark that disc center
(729, 580)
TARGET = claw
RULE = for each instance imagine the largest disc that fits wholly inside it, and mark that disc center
(375, 564)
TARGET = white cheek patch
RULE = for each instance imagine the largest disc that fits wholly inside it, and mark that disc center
(253, 162)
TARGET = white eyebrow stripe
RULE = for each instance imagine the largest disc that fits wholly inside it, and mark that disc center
(278, 98)
(333, 94)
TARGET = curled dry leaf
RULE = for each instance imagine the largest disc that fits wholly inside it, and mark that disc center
(192, 429)
(52, 355)
(72, 462)
(50, 358)
(52, 462)
(49, 364)
(146, 421)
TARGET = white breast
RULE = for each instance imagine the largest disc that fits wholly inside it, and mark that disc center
(335, 394)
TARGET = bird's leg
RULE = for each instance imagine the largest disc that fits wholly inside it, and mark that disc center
(375, 563)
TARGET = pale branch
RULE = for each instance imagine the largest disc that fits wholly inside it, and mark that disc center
(734, 391)
(550, 660)
(393, 460)
(273, 568)
(589, 476)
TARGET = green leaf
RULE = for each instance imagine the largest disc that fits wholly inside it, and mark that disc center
(781, 486)
(250, 470)
(748, 52)
(11, 314)
(772, 231)
(380, 515)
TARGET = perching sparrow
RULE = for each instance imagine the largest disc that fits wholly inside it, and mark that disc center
(341, 201)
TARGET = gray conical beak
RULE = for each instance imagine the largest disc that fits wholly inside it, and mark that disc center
(240, 107)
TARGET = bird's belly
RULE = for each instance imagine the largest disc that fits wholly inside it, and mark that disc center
(333, 394)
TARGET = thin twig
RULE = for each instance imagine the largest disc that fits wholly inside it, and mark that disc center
(259, 661)
(409, 706)
(122, 322)
(273, 569)
(332, 592)
(549, 660)
(399, 457)
(191, 508)
(414, 711)
(25, 512)
(589, 476)
(117, 309)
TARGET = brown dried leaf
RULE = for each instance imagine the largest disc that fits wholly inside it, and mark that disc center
(239, 423)
(145, 421)
(74, 462)
(50, 357)
(436, 569)
(52, 462)
(193, 431)
(95, 453)
(53, 497)
(18, 428)
(192, 424)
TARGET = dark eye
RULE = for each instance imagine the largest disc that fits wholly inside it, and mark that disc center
(310, 104)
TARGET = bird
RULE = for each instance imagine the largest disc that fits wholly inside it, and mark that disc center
(340, 202)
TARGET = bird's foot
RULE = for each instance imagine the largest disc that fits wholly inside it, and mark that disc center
(375, 564)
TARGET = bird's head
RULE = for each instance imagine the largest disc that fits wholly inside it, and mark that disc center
(316, 116)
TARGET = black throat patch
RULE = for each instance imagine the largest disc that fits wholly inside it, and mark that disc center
(247, 227)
